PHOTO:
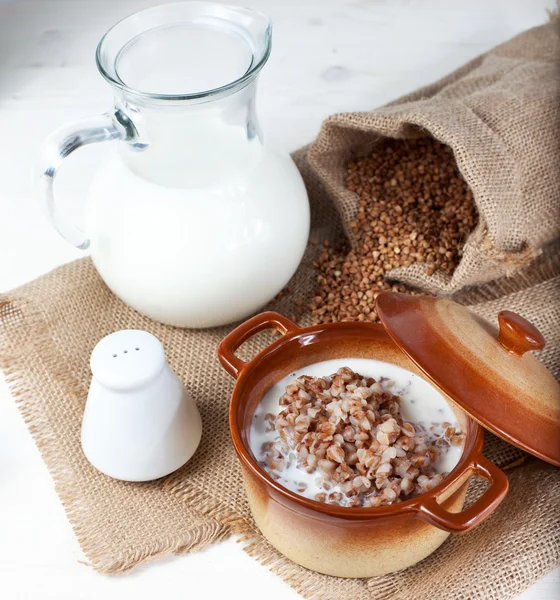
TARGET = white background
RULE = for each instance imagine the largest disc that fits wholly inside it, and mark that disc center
(328, 56)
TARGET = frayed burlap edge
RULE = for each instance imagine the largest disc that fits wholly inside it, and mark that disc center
(306, 583)
(14, 366)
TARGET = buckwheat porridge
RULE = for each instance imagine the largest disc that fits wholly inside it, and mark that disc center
(369, 434)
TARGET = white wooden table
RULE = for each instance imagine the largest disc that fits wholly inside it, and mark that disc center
(328, 56)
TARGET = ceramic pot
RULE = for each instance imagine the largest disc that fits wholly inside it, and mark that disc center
(343, 541)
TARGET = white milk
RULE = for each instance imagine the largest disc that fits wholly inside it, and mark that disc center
(191, 218)
(420, 403)
(204, 227)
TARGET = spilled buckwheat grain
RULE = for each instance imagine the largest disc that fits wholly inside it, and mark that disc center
(414, 207)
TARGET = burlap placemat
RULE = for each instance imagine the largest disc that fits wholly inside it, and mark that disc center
(48, 329)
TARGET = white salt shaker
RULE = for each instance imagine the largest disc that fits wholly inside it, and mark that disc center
(140, 422)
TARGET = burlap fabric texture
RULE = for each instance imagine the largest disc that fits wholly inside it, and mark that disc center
(48, 329)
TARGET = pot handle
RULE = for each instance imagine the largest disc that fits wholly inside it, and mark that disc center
(245, 331)
(434, 513)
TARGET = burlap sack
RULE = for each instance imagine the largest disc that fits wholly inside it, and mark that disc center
(48, 329)
(500, 114)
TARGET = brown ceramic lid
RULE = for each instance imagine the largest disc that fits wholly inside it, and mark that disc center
(486, 371)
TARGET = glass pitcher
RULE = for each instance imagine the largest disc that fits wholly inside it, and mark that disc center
(191, 218)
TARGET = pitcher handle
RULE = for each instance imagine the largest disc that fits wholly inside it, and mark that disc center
(58, 145)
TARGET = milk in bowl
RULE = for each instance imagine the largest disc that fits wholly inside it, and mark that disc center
(356, 432)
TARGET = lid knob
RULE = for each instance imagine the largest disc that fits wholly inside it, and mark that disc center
(517, 335)
(491, 376)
